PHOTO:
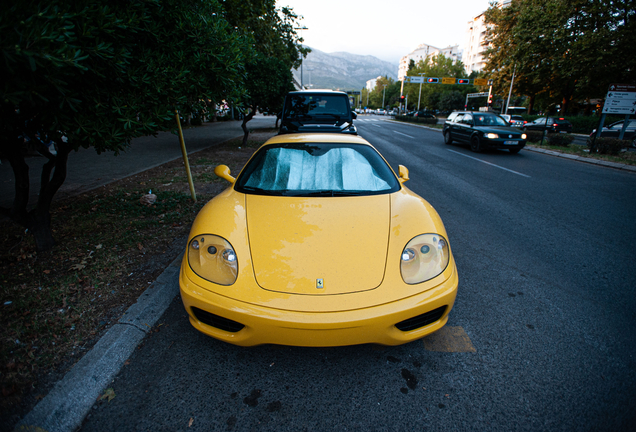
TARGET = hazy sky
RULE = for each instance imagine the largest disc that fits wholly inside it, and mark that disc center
(385, 29)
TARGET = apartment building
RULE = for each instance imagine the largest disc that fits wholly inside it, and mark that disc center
(423, 51)
(476, 44)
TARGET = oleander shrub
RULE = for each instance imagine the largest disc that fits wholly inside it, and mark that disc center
(608, 146)
(534, 136)
(559, 139)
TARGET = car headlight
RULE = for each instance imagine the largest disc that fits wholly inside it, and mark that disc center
(492, 136)
(213, 258)
(524, 136)
(424, 257)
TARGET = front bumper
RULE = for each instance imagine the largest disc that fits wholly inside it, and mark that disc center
(246, 324)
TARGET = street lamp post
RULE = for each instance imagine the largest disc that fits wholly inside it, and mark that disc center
(383, 89)
(302, 86)
(420, 96)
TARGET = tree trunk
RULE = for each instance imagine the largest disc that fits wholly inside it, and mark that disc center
(246, 118)
(531, 104)
(38, 220)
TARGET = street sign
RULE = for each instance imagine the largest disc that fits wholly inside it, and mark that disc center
(620, 99)
(355, 93)
(414, 79)
(472, 95)
(449, 80)
(481, 81)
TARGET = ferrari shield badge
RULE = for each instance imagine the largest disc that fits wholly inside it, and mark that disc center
(319, 283)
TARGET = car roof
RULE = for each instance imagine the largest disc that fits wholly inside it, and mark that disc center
(319, 91)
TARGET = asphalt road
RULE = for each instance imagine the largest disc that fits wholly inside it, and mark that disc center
(546, 306)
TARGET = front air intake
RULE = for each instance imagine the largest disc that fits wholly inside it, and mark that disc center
(217, 321)
(421, 320)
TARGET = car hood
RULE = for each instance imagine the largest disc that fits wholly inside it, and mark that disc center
(318, 246)
(504, 131)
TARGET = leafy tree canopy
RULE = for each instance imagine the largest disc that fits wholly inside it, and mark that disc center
(431, 97)
(89, 74)
(562, 50)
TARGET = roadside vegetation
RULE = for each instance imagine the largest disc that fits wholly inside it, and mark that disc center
(111, 247)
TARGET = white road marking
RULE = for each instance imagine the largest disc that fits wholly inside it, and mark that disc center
(488, 163)
(404, 134)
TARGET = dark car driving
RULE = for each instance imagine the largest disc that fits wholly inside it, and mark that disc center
(481, 131)
(317, 111)
(551, 124)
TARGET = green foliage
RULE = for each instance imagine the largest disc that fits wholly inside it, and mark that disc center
(607, 146)
(438, 96)
(561, 50)
(102, 75)
(559, 139)
(534, 136)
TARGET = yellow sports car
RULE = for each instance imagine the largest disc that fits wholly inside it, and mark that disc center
(317, 243)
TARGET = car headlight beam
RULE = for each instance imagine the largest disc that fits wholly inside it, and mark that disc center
(213, 258)
(423, 258)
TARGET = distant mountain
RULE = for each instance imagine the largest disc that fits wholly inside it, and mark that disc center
(341, 70)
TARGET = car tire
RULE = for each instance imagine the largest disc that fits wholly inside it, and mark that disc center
(448, 139)
(475, 145)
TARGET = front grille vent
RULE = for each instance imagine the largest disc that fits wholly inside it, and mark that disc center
(421, 320)
(217, 321)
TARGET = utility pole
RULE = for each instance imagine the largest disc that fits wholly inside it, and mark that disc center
(383, 89)
(420, 96)
(510, 92)
(302, 86)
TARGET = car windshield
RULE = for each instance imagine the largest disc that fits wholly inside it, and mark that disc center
(317, 169)
(489, 120)
(312, 106)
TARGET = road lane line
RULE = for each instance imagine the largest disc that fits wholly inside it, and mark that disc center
(404, 134)
(488, 163)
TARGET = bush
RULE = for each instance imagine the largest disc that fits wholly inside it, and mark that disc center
(534, 136)
(416, 119)
(559, 139)
(609, 146)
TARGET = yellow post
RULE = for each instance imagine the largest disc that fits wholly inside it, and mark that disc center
(185, 158)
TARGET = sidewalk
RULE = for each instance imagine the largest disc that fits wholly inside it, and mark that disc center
(87, 170)
(67, 403)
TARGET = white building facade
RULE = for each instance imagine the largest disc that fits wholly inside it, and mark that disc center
(476, 44)
(423, 51)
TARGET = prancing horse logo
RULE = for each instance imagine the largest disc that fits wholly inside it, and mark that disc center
(319, 283)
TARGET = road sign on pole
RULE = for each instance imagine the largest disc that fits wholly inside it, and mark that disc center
(620, 99)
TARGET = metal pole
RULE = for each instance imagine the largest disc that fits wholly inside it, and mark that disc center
(185, 158)
(510, 92)
(302, 86)
(383, 89)
(420, 96)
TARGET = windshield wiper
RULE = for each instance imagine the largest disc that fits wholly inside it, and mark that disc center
(261, 191)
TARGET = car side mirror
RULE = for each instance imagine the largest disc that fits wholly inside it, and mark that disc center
(223, 171)
(354, 115)
(404, 174)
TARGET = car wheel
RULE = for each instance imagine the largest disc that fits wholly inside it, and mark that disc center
(514, 150)
(447, 137)
(475, 145)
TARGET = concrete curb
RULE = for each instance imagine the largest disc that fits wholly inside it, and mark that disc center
(66, 405)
